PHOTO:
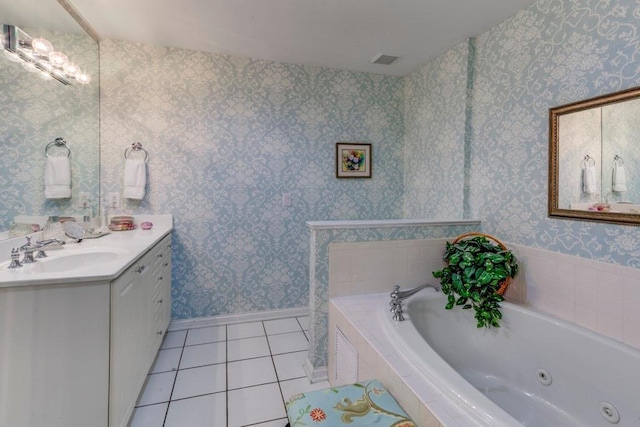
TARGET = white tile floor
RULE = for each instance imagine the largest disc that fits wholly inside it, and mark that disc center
(226, 376)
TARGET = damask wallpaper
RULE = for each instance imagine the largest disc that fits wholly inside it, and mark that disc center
(33, 113)
(552, 53)
(227, 136)
(465, 136)
(434, 143)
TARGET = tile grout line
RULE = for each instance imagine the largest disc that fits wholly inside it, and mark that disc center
(166, 414)
(276, 371)
(227, 391)
(226, 373)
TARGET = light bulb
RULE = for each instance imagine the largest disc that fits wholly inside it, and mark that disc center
(12, 56)
(30, 67)
(58, 59)
(71, 69)
(42, 46)
(83, 78)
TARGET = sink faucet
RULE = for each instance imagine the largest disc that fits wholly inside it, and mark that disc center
(41, 244)
(29, 248)
(397, 296)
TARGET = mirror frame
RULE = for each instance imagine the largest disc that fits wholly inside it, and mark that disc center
(554, 166)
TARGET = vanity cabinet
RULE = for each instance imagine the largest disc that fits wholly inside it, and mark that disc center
(77, 355)
(140, 307)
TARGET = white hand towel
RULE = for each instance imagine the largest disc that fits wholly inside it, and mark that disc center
(619, 178)
(589, 179)
(57, 178)
(135, 179)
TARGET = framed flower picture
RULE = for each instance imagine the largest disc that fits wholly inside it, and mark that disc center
(353, 160)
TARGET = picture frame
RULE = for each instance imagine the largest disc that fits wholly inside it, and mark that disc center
(353, 160)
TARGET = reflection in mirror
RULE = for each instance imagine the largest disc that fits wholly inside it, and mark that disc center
(621, 151)
(594, 159)
(34, 112)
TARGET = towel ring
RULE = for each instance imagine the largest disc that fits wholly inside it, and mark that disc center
(136, 146)
(58, 142)
(587, 159)
(617, 160)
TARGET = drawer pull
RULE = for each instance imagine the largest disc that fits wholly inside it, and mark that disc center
(159, 333)
(160, 255)
(159, 278)
(141, 269)
(166, 264)
(160, 300)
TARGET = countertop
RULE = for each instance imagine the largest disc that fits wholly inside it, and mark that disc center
(130, 244)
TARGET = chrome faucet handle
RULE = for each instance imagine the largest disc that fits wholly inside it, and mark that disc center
(396, 304)
(28, 249)
(15, 258)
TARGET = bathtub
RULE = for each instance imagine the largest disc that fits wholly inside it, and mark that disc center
(532, 371)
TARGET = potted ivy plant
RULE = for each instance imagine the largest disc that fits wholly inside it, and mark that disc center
(477, 273)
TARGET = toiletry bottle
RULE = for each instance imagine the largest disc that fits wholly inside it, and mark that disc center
(53, 229)
(105, 214)
(87, 221)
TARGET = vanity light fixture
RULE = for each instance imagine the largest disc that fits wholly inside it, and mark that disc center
(38, 55)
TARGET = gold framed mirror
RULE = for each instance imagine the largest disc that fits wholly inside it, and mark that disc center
(594, 159)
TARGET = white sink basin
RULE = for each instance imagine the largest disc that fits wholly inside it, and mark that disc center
(72, 260)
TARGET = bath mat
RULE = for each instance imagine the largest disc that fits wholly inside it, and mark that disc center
(357, 405)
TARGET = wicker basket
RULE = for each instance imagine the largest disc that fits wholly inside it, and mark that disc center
(505, 283)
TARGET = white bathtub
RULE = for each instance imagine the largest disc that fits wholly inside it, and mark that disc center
(532, 371)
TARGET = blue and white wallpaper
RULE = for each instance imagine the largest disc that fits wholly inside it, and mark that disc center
(34, 112)
(227, 136)
(434, 144)
(552, 53)
(465, 136)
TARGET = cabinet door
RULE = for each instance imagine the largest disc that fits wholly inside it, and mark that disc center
(129, 341)
(161, 299)
(54, 355)
(167, 283)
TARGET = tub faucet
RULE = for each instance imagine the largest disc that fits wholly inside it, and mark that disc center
(397, 296)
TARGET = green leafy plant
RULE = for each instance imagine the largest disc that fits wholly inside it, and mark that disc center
(475, 271)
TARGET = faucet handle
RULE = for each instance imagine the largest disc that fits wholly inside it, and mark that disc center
(15, 258)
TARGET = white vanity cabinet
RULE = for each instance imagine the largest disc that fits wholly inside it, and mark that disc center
(140, 315)
(54, 355)
(77, 355)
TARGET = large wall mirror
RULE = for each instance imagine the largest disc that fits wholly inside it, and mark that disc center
(34, 112)
(594, 159)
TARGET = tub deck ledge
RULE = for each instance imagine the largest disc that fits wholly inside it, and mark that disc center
(357, 318)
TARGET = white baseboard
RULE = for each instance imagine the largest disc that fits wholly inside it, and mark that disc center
(228, 319)
(315, 375)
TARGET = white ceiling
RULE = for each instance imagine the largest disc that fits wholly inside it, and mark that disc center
(47, 15)
(343, 34)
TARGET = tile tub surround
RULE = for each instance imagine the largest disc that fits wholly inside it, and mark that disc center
(356, 317)
(593, 294)
(326, 233)
(596, 295)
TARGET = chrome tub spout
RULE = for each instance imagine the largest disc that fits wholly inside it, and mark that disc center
(397, 296)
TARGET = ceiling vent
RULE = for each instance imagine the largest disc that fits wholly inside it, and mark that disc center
(384, 59)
